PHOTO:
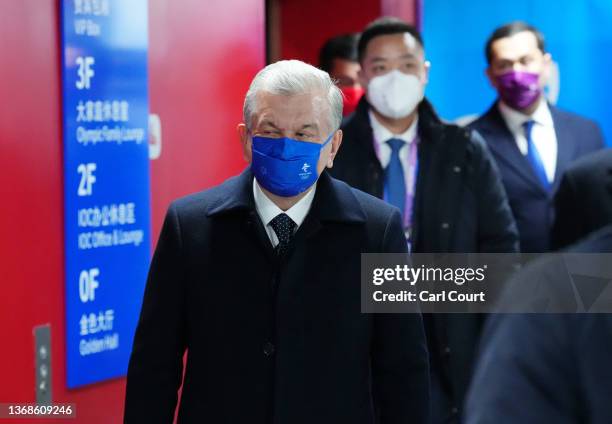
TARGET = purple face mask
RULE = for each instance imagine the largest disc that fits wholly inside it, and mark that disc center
(519, 90)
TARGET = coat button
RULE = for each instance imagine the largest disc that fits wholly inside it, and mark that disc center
(447, 351)
(445, 225)
(457, 169)
(268, 349)
(454, 410)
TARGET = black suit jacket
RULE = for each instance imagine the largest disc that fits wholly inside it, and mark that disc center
(531, 204)
(460, 207)
(271, 340)
(546, 368)
(460, 204)
(583, 202)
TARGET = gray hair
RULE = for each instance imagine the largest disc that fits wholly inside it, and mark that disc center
(291, 77)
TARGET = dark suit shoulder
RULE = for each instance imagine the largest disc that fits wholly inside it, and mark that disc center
(594, 164)
(468, 145)
(355, 127)
(376, 211)
(356, 149)
(598, 242)
(490, 117)
(476, 143)
(383, 222)
(349, 123)
(203, 201)
(585, 131)
(357, 118)
(477, 123)
(374, 208)
(572, 117)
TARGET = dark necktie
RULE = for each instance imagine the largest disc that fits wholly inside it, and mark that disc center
(284, 227)
(395, 183)
(534, 156)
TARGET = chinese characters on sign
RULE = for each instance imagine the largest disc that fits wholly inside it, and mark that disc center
(106, 182)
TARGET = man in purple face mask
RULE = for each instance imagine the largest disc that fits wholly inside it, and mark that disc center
(532, 141)
(519, 69)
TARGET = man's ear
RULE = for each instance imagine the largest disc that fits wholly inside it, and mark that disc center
(547, 64)
(361, 77)
(335, 146)
(490, 77)
(427, 67)
(245, 142)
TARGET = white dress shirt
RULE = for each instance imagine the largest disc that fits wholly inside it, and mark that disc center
(267, 209)
(543, 134)
(383, 150)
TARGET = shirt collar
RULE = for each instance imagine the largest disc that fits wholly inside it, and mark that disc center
(515, 119)
(382, 134)
(267, 209)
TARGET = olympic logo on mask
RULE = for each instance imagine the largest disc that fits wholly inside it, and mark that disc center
(305, 174)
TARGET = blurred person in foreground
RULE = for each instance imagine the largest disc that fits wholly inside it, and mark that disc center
(547, 368)
(583, 202)
(555, 368)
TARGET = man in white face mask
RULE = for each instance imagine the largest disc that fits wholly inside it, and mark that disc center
(441, 177)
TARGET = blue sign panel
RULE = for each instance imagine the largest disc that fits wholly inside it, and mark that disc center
(106, 182)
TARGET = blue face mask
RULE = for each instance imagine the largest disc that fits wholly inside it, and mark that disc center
(284, 166)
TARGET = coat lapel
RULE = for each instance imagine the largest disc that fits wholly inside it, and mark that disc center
(502, 143)
(236, 199)
(334, 202)
(566, 145)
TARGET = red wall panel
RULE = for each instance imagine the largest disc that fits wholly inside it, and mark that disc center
(31, 217)
(306, 25)
(202, 56)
